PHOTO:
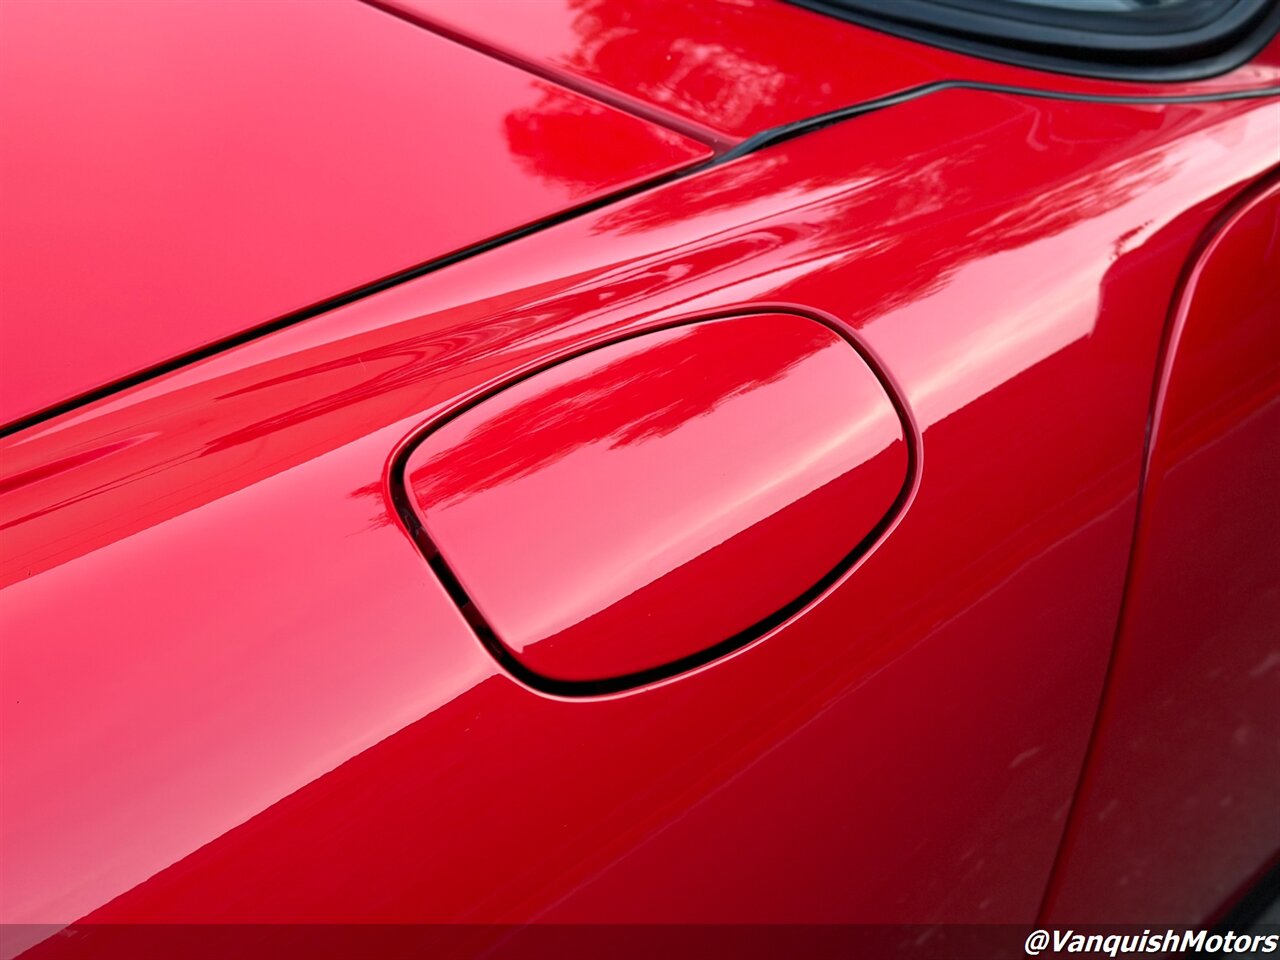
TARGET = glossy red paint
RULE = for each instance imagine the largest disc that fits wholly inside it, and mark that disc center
(177, 173)
(1178, 809)
(234, 691)
(653, 499)
(731, 68)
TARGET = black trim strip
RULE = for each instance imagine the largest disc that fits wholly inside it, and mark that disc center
(759, 141)
(341, 300)
(594, 688)
(785, 132)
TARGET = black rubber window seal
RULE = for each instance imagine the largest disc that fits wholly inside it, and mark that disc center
(1191, 41)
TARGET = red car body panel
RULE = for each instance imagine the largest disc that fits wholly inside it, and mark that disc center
(177, 174)
(882, 726)
(732, 68)
(1179, 803)
(235, 689)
